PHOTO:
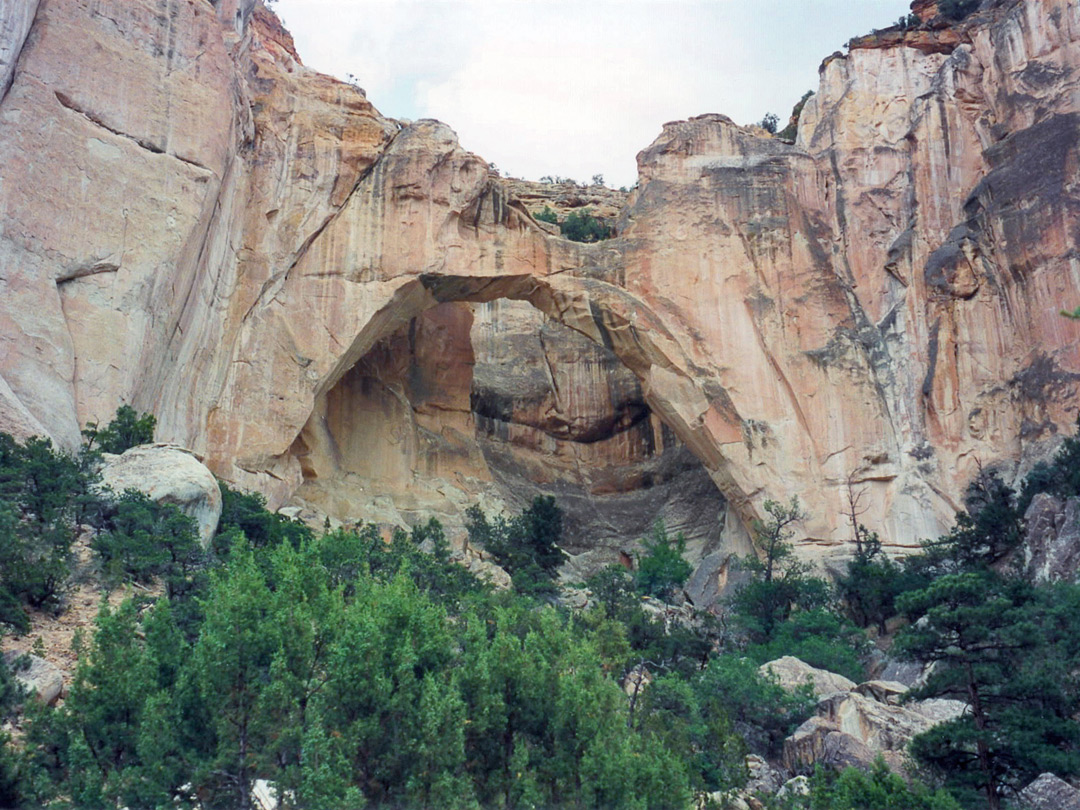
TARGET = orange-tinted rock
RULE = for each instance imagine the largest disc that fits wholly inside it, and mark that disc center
(925, 10)
(926, 41)
(304, 292)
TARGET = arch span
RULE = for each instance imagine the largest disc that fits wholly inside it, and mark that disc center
(703, 420)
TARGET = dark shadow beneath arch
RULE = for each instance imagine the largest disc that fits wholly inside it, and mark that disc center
(464, 390)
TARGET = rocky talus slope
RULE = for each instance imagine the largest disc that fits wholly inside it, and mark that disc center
(357, 315)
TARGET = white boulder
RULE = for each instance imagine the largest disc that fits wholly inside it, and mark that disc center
(41, 678)
(167, 473)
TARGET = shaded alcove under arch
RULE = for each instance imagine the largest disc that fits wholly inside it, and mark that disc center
(467, 390)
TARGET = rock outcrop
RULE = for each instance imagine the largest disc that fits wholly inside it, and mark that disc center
(853, 725)
(322, 301)
(1050, 792)
(40, 678)
(567, 197)
(791, 673)
(167, 474)
(762, 777)
(1051, 548)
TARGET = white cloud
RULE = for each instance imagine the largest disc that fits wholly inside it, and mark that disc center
(575, 87)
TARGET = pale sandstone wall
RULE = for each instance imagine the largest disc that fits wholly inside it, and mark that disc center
(194, 222)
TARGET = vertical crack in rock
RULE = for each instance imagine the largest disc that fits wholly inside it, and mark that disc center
(932, 357)
(305, 246)
(273, 285)
(11, 67)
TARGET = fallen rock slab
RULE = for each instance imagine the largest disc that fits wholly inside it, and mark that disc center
(853, 726)
(492, 573)
(885, 726)
(793, 673)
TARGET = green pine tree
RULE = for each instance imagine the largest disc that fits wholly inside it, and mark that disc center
(126, 430)
(231, 666)
(1010, 655)
(662, 569)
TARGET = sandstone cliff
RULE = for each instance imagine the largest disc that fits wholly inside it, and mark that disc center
(335, 308)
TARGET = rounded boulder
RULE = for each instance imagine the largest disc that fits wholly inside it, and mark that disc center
(168, 473)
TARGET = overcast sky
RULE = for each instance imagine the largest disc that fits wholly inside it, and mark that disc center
(577, 87)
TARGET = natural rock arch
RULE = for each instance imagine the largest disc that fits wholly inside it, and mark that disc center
(606, 315)
(427, 223)
(884, 316)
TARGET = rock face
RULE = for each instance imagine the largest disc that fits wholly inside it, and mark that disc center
(338, 309)
(16, 17)
(853, 725)
(1049, 792)
(905, 673)
(43, 680)
(168, 474)
(1052, 539)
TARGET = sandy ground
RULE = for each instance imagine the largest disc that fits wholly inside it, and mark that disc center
(80, 607)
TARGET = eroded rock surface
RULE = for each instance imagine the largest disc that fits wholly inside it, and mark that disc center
(885, 726)
(167, 474)
(1050, 792)
(1052, 539)
(40, 678)
(853, 725)
(312, 296)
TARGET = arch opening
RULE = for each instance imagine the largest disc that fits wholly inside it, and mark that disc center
(492, 390)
